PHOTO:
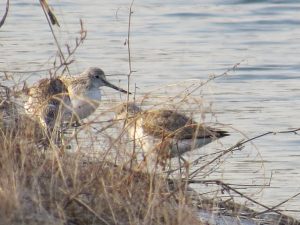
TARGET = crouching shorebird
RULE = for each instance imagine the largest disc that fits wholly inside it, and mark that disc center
(66, 99)
(166, 132)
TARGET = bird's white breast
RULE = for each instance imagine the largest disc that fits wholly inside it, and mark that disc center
(84, 104)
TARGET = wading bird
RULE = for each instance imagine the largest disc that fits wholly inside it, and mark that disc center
(165, 133)
(66, 99)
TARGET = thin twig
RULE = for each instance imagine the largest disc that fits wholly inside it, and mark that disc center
(45, 7)
(5, 14)
(216, 76)
(90, 210)
(236, 147)
(276, 206)
(272, 132)
(226, 186)
(128, 48)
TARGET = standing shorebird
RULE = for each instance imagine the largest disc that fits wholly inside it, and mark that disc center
(66, 99)
(165, 132)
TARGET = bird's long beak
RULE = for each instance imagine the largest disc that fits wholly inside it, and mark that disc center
(114, 87)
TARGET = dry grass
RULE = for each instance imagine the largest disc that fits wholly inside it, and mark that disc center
(52, 187)
(41, 183)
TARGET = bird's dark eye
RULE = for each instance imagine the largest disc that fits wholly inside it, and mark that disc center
(97, 76)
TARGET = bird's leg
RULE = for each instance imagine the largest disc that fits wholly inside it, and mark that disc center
(179, 158)
(76, 124)
(185, 163)
(61, 137)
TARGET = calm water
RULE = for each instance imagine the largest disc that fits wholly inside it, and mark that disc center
(179, 40)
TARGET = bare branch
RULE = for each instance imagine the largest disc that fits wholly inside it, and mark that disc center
(5, 14)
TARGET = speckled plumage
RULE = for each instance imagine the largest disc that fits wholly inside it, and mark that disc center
(166, 131)
(67, 99)
(49, 99)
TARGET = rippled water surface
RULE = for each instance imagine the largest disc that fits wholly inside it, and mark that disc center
(172, 41)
